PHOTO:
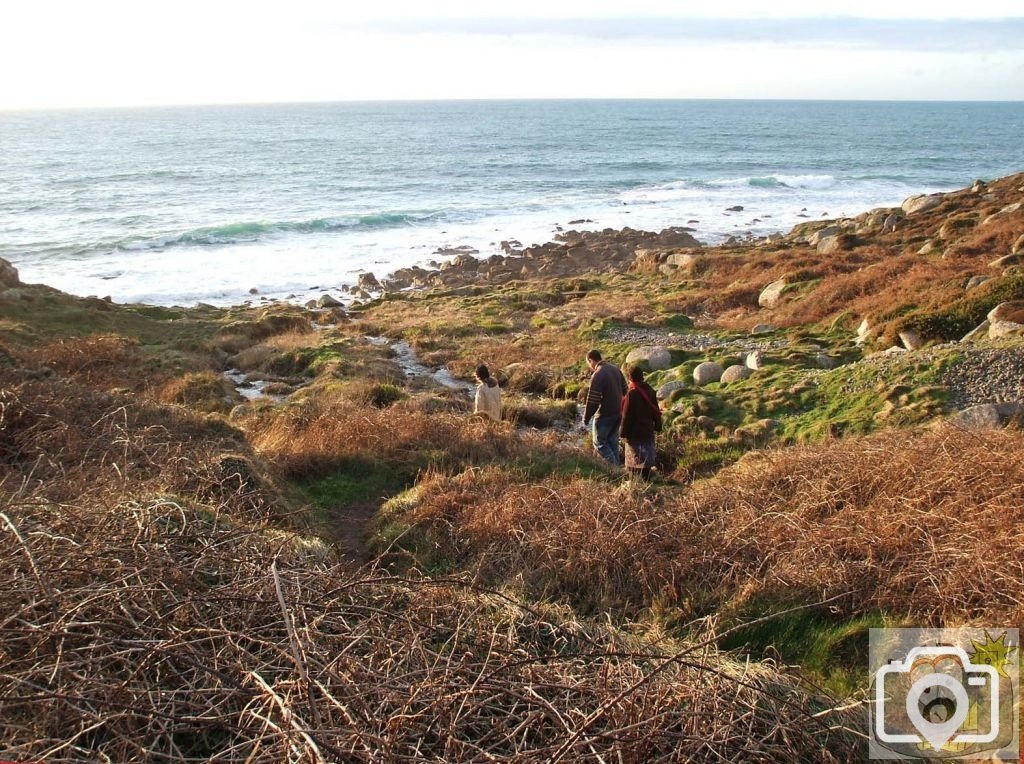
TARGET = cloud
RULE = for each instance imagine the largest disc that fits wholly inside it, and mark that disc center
(882, 34)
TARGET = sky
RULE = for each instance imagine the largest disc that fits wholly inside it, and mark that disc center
(101, 53)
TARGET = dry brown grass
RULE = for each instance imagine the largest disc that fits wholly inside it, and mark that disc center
(204, 391)
(928, 526)
(64, 442)
(99, 360)
(310, 437)
(147, 632)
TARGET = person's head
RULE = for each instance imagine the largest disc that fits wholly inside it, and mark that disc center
(636, 374)
(593, 358)
(482, 373)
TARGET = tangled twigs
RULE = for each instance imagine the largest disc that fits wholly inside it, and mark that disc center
(175, 645)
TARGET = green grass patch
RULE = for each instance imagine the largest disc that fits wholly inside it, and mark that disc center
(355, 482)
(831, 650)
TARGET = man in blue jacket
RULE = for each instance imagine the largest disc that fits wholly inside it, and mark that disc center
(603, 412)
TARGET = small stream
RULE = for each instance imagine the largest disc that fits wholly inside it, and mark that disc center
(250, 389)
(410, 364)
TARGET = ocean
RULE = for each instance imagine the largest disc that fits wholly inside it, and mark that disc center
(186, 204)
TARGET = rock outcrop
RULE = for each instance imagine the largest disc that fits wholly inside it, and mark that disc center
(8, 275)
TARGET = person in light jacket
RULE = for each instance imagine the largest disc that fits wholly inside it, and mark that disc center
(641, 418)
(488, 394)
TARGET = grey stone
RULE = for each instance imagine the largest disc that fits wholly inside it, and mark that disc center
(823, 233)
(999, 329)
(735, 373)
(655, 356)
(1007, 210)
(707, 372)
(762, 329)
(1007, 311)
(976, 281)
(977, 333)
(921, 203)
(1005, 260)
(771, 294)
(368, 281)
(987, 415)
(829, 244)
(666, 390)
(326, 301)
(863, 331)
(824, 361)
(681, 259)
(8, 274)
(911, 339)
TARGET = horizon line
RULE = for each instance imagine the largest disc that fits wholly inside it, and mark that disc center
(484, 99)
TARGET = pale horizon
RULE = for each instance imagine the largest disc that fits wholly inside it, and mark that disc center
(114, 53)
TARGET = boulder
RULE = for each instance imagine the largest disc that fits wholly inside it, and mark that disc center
(762, 329)
(824, 361)
(921, 203)
(667, 389)
(681, 259)
(830, 244)
(911, 339)
(1006, 260)
(755, 360)
(706, 373)
(976, 281)
(823, 233)
(987, 415)
(1009, 209)
(772, 294)
(8, 275)
(655, 357)
(368, 281)
(928, 248)
(735, 373)
(326, 301)
(1007, 311)
(977, 333)
(863, 331)
(998, 329)
(979, 187)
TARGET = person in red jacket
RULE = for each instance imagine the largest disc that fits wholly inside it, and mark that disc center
(641, 418)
